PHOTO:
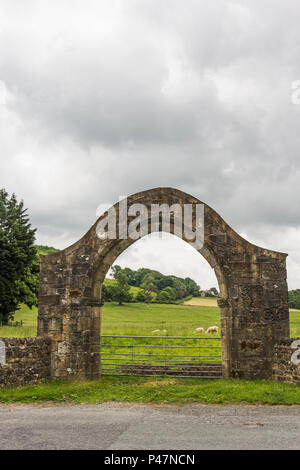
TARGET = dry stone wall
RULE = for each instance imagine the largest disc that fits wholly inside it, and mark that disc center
(24, 360)
(286, 361)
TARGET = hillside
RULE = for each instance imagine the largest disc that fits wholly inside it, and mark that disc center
(45, 250)
(133, 290)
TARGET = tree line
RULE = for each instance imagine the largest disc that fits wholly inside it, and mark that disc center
(153, 287)
(294, 298)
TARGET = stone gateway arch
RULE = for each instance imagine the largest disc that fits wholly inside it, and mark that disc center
(252, 283)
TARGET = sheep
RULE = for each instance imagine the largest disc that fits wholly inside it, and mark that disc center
(163, 331)
(155, 331)
(212, 329)
(200, 330)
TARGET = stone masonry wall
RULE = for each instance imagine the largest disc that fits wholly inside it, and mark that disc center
(286, 362)
(252, 282)
(27, 360)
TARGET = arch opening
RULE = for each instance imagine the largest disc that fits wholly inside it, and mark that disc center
(174, 328)
(100, 273)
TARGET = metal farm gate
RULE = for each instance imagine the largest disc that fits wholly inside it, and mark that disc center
(176, 356)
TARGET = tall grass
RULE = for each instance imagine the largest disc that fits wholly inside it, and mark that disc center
(17, 331)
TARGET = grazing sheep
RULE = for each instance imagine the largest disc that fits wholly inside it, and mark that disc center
(163, 331)
(200, 330)
(212, 329)
(156, 331)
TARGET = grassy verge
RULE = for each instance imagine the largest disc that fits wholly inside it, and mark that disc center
(155, 390)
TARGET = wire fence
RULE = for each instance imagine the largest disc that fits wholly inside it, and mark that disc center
(12, 323)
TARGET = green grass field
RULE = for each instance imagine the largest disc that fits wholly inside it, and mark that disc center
(142, 319)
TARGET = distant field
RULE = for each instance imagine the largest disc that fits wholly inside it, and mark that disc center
(142, 319)
(202, 302)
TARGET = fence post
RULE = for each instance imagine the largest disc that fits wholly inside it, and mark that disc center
(132, 349)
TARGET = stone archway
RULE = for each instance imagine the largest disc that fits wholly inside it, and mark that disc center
(252, 282)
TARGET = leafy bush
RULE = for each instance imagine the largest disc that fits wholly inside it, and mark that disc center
(294, 298)
(153, 282)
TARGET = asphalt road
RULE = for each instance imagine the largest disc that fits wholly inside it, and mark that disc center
(122, 426)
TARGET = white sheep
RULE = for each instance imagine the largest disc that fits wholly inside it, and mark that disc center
(200, 330)
(163, 331)
(212, 329)
(155, 331)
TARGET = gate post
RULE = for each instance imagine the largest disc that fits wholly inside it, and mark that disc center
(70, 316)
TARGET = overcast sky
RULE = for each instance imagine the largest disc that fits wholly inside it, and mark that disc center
(107, 98)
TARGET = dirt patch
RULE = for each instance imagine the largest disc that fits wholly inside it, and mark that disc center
(158, 383)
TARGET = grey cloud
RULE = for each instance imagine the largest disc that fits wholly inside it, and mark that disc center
(110, 98)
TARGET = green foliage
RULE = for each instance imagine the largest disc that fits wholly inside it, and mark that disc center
(45, 250)
(130, 276)
(120, 291)
(180, 288)
(154, 285)
(141, 296)
(19, 264)
(212, 292)
(167, 295)
(27, 287)
(294, 298)
(17, 257)
(108, 292)
(191, 287)
(148, 285)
